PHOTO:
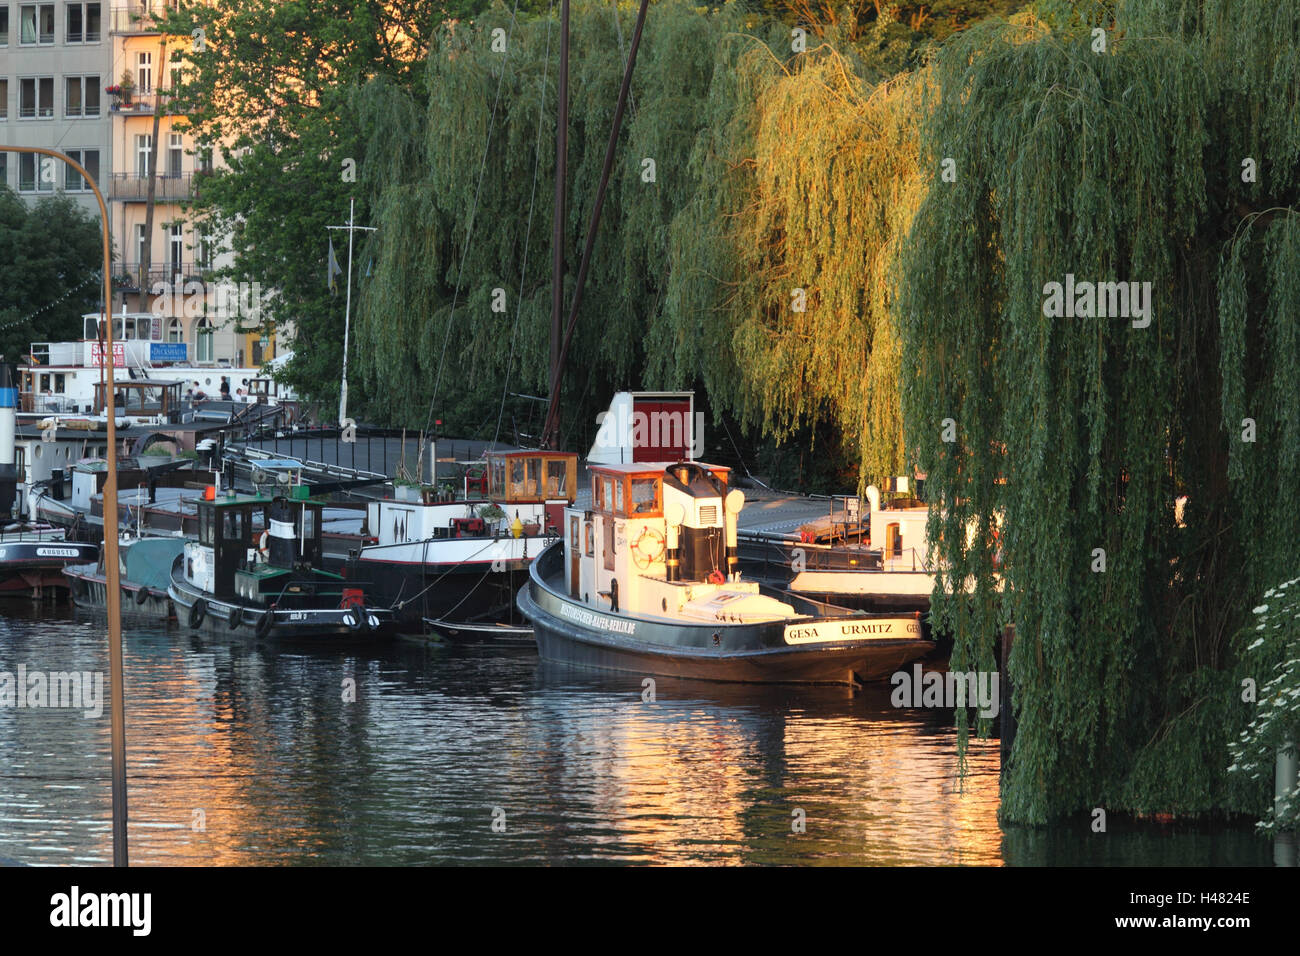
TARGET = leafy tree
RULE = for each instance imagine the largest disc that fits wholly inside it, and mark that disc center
(51, 270)
(1118, 163)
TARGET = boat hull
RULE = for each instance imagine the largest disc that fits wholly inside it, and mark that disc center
(89, 589)
(28, 568)
(318, 626)
(458, 600)
(569, 632)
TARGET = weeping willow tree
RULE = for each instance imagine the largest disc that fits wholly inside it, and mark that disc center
(460, 292)
(1161, 151)
(779, 296)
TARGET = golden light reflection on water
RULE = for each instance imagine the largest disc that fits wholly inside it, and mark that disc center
(242, 756)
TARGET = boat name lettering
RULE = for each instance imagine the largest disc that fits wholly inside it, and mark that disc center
(56, 552)
(847, 631)
(597, 620)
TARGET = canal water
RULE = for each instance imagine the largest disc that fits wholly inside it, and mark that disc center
(454, 755)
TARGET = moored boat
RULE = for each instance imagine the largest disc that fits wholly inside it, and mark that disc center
(646, 582)
(145, 576)
(454, 563)
(271, 586)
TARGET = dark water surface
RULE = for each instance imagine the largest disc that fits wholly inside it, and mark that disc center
(246, 755)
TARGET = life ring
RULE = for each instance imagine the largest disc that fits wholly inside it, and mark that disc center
(236, 617)
(263, 545)
(141, 595)
(716, 577)
(647, 557)
(197, 613)
(264, 622)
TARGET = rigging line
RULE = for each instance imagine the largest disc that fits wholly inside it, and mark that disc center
(449, 570)
(622, 52)
(528, 230)
(473, 213)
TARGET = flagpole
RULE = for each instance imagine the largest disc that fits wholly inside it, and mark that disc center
(347, 320)
(352, 228)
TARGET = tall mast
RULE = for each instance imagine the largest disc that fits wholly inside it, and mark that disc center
(557, 233)
(551, 430)
(352, 229)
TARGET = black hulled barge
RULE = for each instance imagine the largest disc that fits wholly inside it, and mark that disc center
(271, 586)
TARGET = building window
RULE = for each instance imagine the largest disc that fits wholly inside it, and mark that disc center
(36, 23)
(203, 248)
(36, 97)
(144, 73)
(203, 340)
(175, 154)
(204, 159)
(28, 180)
(176, 248)
(143, 149)
(139, 242)
(174, 331)
(89, 158)
(4, 25)
(81, 96)
(83, 23)
(4, 98)
(4, 169)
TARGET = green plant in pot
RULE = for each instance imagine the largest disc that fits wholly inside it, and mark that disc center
(491, 514)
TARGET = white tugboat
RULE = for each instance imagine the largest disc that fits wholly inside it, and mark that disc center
(646, 582)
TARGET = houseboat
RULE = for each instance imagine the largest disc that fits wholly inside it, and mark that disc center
(145, 564)
(880, 564)
(646, 582)
(235, 581)
(455, 561)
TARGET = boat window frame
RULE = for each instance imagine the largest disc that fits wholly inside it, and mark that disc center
(656, 508)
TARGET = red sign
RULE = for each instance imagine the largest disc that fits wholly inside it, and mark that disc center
(97, 355)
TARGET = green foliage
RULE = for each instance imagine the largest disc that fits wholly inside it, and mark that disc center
(1080, 433)
(51, 270)
(1272, 660)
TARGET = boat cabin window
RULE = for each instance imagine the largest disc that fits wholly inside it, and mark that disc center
(645, 496)
(205, 527)
(557, 474)
(232, 525)
(591, 539)
(306, 523)
(525, 477)
(618, 497)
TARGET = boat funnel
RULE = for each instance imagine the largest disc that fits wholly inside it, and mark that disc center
(8, 419)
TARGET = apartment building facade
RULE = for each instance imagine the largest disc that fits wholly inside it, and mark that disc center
(90, 79)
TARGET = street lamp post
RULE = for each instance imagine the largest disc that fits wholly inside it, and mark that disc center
(113, 595)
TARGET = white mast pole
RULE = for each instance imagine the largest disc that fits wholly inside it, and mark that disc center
(352, 229)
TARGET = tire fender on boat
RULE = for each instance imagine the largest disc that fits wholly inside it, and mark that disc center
(198, 612)
(264, 622)
(355, 617)
(236, 617)
(141, 595)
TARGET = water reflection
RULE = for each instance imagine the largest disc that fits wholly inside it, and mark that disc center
(240, 755)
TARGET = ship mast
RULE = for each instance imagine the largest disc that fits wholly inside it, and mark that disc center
(560, 344)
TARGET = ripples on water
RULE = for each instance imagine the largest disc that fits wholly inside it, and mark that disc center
(259, 747)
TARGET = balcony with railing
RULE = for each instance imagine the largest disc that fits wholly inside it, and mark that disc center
(174, 276)
(130, 187)
(138, 17)
(141, 104)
